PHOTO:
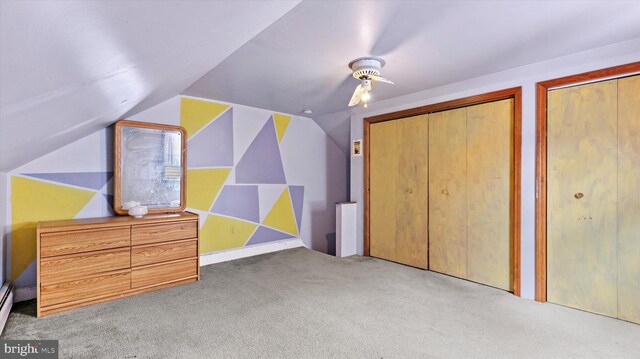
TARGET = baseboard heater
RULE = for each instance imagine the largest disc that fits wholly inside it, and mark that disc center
(6, 302)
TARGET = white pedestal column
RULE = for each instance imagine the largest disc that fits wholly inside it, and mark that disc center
(345, 229)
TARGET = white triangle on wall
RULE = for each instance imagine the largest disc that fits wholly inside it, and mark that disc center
(268, 194)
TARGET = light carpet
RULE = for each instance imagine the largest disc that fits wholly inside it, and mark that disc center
(303, 304)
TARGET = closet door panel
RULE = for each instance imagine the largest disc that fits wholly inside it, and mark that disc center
(383, 164)
(581, 197)
(629, 198)
(411, 227)
(489, 185)
(448, 192)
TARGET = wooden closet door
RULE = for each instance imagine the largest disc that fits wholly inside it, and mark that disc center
(383, 165)
(411, 214)
(448, 192)
(629, 198)
(581, 197)
(489, 186)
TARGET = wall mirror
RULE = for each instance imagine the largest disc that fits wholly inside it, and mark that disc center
(150, 166)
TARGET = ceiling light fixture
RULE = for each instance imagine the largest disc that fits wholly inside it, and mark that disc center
(366, 96)
(307, 111)
(367, 70)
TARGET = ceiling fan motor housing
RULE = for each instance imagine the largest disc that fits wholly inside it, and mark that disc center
(365, 67)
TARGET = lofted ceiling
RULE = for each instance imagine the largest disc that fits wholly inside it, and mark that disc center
(68, 68)
(301, 60)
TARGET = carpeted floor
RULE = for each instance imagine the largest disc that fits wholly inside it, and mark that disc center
(303, 304)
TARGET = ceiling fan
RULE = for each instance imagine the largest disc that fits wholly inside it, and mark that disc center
(366, 69)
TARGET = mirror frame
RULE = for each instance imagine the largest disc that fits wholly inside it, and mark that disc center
(117, 170)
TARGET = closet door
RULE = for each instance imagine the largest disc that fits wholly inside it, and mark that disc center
(383, 169)
(470, 187)
(629, 198)
(489, 188)
(398, 190)
(448, 192)
(411, 191)
(582, 187)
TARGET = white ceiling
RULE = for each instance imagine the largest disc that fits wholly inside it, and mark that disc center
(301, 60)
(70, 68)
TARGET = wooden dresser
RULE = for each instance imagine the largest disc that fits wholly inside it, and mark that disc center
(87, 261)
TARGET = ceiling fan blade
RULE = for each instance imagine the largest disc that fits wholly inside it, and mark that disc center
(381, 79)
(355, 99)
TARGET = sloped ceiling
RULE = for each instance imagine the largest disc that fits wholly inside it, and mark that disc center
(301, 60)
(69, 68)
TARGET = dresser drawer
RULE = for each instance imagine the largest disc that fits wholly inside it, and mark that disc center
(155, 233)
(91, 260)
(55, 244)
(74, 266)
(163, 252)
(160, 273)
(88, 287)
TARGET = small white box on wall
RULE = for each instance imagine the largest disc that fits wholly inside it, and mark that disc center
(356, 147)
(346, 229)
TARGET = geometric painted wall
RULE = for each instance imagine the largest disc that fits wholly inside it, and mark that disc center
(50, 196)
(242, 198)
(253, 176)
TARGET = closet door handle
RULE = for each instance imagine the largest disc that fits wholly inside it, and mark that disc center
(409, 190)
(445, 192)
(579, 195)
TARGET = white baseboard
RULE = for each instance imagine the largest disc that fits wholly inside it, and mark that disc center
(6, 302)
(24, 293)
(237, 253)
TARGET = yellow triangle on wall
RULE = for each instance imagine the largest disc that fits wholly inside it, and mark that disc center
(281, 121)
(220, 233)
(281, 215)
(203, 186)
(33, 201)
(195, 114)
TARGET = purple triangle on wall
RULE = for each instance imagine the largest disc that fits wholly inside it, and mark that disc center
(261, 163)
(109, 199)
(264, 235)
(91, 180)
(297, 200)
(238, 201)
(213, 145)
